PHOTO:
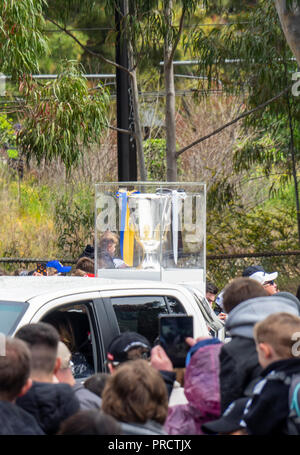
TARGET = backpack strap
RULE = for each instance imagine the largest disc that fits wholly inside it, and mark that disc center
(279, 376)
(293, 394)
(293, 421)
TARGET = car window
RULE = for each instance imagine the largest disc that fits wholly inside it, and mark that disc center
(10, 315)
(75, 329)
(140, 314)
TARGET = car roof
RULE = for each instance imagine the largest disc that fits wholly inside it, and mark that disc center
(26, 288)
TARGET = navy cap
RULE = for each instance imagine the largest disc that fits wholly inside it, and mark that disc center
(230, 420)
(120, 346)
(252, 269)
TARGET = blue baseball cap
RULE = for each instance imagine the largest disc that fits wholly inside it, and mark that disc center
(58, 266)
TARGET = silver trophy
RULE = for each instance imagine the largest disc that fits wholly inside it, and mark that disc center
(150, 217)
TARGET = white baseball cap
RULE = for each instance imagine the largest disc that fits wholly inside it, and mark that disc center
(263, 277)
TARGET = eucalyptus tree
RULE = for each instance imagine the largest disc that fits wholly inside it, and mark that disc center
(59, 117)
(146, 24)
(261, 70)
(21, 36)
(159, 24)
(289, 14)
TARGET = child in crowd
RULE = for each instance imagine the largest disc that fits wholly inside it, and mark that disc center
(266, 413)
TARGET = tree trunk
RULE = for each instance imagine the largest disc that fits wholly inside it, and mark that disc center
(137, 120)
(290, 23)
(135, 102)
(170, 100)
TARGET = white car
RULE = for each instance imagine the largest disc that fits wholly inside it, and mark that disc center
(99, 309)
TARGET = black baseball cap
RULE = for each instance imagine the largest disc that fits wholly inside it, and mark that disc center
(119, 347)
(252, 269)
(230, 420)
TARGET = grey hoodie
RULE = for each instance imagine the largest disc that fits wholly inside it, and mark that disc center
(241, 319)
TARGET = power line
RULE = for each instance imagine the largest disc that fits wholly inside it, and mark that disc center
(8, 105)
(94, 29)
(87, 29)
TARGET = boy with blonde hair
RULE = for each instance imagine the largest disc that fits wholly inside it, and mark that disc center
(267, 412)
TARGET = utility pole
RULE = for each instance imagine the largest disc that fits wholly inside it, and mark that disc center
(127, 156)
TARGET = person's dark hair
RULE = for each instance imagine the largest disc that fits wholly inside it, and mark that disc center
(61, 322)
(42, 339)
(96, 383)
(211, 287)
(90, 422)
(14, 368)
(241, 289)
(136, 393)
(86, 264)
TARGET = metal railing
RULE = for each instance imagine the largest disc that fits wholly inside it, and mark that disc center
(220, 268)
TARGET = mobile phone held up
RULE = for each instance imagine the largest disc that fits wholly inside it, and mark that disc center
(173, 330)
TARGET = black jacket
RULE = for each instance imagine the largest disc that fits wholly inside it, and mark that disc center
(266, 413)
(15, 421)
(50, 404)
(89, 252)
(239, 369)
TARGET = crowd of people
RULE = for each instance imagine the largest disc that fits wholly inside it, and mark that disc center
(247, 385)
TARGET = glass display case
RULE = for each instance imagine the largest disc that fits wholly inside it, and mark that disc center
(151, 230)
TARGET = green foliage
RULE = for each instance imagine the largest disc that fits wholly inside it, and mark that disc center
(61, 116)
(155, 159)
(13, 153)
(240, 229)
(74, 221)
(88, 15)
(261, 68)
(269, 150)
(21, 37)
(260, 229)
(147, 27)
(34, 199)
(61, 47)
(220, 195)
(262, 58)
(7, 132)
(227, 7)
(67, 11)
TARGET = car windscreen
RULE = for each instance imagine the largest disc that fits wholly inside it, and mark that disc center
(10, 315)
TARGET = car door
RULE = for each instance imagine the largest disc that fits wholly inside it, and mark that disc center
(91, 324)
(138, 310)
